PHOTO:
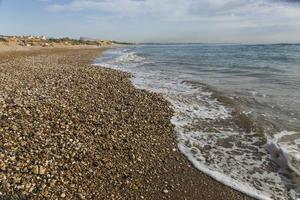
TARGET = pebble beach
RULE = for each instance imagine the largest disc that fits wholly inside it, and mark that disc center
(71, 130)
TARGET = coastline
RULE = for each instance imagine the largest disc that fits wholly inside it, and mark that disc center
(114, 141)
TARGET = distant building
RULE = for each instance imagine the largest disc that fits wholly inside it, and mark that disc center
(42, 38)
(86, 39)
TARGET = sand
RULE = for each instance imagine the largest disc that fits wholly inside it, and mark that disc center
(70, 130)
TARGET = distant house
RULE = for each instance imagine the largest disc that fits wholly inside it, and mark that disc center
(86, 39)
(42, 37)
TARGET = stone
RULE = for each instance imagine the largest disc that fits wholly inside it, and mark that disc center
(35, 169)
(14, 128)
(81, 196)
(2, 165)
(39, 170)
(42, 170)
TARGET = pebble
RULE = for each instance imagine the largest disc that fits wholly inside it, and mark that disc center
(165, 191)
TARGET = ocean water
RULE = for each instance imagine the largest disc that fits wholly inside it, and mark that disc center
(237, 108)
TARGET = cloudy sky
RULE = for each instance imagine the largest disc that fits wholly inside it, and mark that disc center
(211, 21)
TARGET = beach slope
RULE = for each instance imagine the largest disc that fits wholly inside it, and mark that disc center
(70, 130)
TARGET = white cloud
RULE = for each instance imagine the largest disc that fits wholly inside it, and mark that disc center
(182, 8)
(231, 17)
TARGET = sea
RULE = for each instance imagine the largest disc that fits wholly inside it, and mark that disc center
(236, 108)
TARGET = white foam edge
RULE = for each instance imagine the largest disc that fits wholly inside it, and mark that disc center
(284, 154)
(218, 176)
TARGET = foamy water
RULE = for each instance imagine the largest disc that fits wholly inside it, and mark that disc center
(216, 93)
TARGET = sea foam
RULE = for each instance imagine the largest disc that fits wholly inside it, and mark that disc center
(208, 137)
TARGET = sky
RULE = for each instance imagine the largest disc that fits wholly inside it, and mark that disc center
(205, 21)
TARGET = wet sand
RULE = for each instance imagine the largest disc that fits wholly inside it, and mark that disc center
(70, 130)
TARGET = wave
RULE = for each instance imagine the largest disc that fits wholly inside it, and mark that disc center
(227, 144)
(129, 57)
(284, 147)
(217, 135)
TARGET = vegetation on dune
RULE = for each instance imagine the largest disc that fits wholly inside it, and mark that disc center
(46, 42)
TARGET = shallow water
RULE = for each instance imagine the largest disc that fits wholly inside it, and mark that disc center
(237, 108)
